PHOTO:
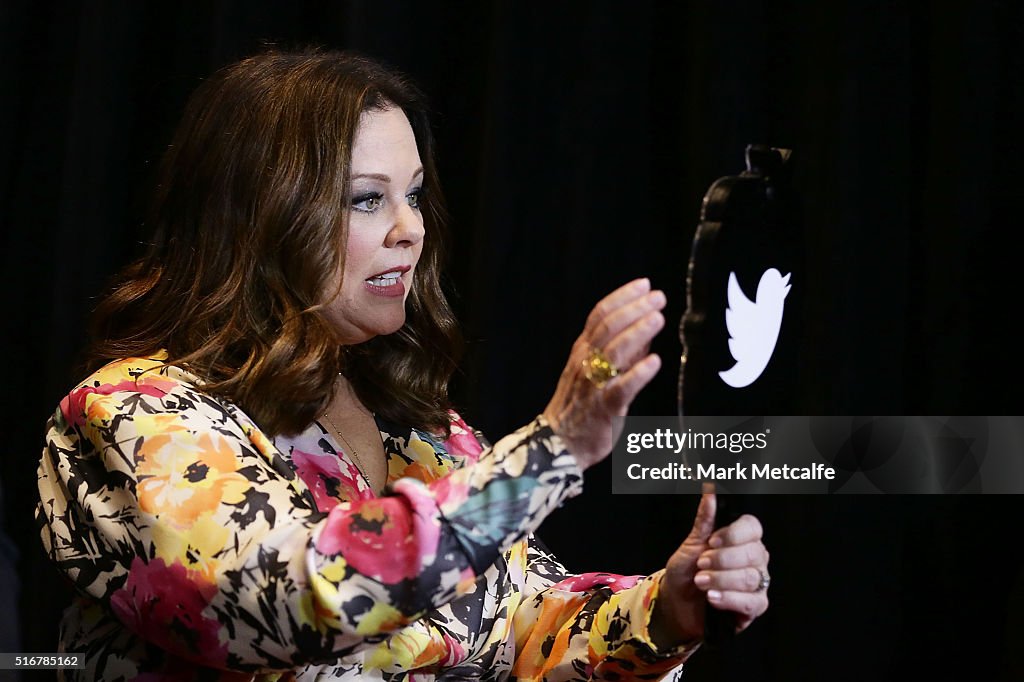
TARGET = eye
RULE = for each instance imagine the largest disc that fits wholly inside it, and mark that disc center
(414, 198)
(368, 203)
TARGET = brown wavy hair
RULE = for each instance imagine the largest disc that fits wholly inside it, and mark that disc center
(250, 220)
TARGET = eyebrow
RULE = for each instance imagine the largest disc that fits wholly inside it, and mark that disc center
(381, 177)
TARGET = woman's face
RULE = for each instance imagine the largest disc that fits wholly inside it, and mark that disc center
(385, 228)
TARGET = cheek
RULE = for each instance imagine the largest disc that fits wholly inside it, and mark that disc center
(359, 252)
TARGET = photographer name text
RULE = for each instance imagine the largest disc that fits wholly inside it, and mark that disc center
(735, 472)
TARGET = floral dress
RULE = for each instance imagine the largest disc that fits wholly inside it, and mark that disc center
(201, 549)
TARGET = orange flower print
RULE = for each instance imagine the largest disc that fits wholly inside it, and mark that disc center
(179, 480)
(548, 641)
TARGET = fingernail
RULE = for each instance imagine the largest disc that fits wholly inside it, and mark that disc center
(715, 541)
(656, 297)
(714, 595)
(704, 562)
(701, 580)
(642, 284)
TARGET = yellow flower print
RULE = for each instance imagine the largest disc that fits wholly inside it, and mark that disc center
(380, 618)
(414, 648)
(320, 608)
(194, 548)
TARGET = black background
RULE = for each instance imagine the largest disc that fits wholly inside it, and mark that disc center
(576, 142)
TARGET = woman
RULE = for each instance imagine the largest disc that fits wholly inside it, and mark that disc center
(267, 482)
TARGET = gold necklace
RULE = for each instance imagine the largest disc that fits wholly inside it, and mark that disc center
(351, 450)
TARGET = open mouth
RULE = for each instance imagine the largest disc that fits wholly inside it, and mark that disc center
(389, 283)
(386, 279)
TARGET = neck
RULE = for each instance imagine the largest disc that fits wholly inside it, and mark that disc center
(355, 430)
(345, 397)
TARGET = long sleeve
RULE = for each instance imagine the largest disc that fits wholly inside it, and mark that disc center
(174, 511)
(592, 626)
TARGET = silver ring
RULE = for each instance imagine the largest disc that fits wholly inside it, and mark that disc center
(766, 580)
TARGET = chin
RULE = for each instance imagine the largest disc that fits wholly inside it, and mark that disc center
(356, 329)
(388, 327)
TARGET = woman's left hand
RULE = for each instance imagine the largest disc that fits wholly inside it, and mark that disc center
(725, 569)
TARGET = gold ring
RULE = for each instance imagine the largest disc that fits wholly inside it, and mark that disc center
(598, 368)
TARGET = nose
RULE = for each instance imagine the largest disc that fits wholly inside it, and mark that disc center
(408, 228)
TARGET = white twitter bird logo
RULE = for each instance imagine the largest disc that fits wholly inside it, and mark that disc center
(754, 326)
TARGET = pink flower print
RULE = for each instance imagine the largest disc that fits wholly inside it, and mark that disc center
(588, 581)
(462, 442)
(73, 407)
(322, 473)
(382, 537)
(165, 604)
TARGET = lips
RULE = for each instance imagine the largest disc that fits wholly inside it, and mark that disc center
(388, 283)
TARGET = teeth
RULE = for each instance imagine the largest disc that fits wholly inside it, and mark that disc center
(386, 279)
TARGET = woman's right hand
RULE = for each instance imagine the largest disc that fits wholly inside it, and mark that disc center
(621, 326)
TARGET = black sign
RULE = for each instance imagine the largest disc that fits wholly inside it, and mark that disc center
(744, 289)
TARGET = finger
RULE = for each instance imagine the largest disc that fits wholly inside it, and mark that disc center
(621, 391)
(737, 580)
(744, 529)
(751, 554)
(748, 605)
(619, 297)
(641, 353)
(628, 342)
(624, 316)
(704, 520)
